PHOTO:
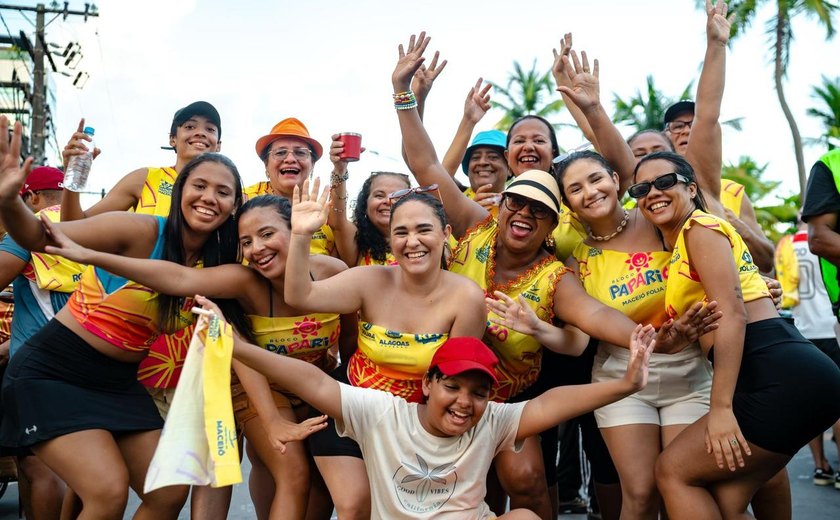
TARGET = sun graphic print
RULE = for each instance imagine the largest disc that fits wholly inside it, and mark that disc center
(638, 261)
(307, 327)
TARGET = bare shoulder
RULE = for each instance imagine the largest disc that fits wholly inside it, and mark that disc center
(324, 266)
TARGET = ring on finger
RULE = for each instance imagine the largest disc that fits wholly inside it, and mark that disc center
(734, 442)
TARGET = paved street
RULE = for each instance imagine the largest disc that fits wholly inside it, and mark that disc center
(810, 502)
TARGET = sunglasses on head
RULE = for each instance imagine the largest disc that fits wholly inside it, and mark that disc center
(516, 203)
(662, 183)
(397, 195)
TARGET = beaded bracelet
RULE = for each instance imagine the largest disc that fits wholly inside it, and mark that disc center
(405, 100)
(338, 179)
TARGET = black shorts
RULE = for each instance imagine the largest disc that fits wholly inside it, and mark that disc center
(327, 442)
(829, 347)
(788, 392)
(58, 384)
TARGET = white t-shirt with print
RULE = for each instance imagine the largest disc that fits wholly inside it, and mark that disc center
(414, 474)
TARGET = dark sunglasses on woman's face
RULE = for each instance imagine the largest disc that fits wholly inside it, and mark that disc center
(536, 209)
(662, 183)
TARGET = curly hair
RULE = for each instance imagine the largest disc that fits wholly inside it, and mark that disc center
(368, 238)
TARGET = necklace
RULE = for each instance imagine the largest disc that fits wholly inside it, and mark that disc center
(618, 230)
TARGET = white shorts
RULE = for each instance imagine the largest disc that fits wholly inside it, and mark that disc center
(677, 391)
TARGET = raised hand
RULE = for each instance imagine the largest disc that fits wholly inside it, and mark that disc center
(280, 431)
(76, 145)
(61, 245)
(515, 315)
(425, 77)
(700, 319)
(585, 87)
(309, 211)
(478, 101)
(558, 69)
(12, 172)
(718, 26)
(485, 196)
(724, 438)
(411, 58)
(336, 149)
(642, 343)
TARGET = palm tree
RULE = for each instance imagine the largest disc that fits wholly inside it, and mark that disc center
(780, 35)
(829, 113)
(645, 111)
(775, 219)
(524, 95)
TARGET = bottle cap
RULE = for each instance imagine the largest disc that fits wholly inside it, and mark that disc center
(89, 130)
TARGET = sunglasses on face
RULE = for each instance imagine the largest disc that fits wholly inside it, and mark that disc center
(661, 183)
(397, 195)
(516, 203)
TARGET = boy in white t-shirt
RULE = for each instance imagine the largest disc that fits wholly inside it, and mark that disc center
(430, 460)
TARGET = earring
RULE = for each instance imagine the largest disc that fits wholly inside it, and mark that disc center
(549, 241)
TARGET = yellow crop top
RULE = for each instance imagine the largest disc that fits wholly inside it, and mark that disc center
(519, 354)
(323, 240)
(120, 311)
(568, 233)
(684, 284)
(631, 283)
(156, 195)
(731, 194)
(392, 361)
(55, 273)
(307, 338)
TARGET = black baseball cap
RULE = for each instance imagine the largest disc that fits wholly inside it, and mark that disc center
(680, 107)
(199, 108)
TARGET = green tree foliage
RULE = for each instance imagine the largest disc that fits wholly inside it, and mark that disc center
(776, 218)
(526, 93)
(645, 111)
(779, 31)
(828, 110)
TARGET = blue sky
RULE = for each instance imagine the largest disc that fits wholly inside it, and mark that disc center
(329, 62)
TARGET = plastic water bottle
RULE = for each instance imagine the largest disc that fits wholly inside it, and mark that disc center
(78, 169)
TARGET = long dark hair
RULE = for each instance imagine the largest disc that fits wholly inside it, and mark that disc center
(221, 247)
(279, 204)
(681, 166)
(368, 238)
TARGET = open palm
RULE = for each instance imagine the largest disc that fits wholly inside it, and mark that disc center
(12, 172)
(309, 210)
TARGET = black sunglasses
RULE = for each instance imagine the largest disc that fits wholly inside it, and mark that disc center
(516, 203)
(662, 183)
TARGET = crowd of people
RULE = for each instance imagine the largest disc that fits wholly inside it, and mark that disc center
(411, 355)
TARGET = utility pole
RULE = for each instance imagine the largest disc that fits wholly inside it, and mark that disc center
(39, 88)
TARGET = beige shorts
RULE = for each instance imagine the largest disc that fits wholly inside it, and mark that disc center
(677, 391)
(162, 398)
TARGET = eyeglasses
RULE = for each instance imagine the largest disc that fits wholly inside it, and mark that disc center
(299, 153)
(397, 195)
(565, 155)
(676, 127)
(517, 203)
(662, 183)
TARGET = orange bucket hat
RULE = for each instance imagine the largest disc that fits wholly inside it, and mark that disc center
(289, 127)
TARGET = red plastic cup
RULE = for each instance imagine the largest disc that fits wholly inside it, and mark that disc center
(352, 146)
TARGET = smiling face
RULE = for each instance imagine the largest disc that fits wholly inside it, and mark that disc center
(209, 196)
(646, 143)
(454, 403)
(290, 171)
(378, 203)
(529, 147)
(667, 209)
(194, 137)
(680, 138)
(264, 237)
(591, 191)
(519, 230)
(417, 237)
(487, 166)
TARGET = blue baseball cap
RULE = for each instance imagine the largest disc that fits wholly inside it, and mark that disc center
(490, 139)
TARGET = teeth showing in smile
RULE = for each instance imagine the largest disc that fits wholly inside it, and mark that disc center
(204, 211)
(199, 145)
(595, 203)
(654, 207)
(521, 225)
(289, 171)
(264, 261)
(529, 159)
(458, 416)
(416, 254)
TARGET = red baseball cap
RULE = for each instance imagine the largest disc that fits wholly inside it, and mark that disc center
(43, 178)
(458, 355)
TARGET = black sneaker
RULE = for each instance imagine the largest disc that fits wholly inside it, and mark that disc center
(824, 477)
(575, 506)
(837, 481)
